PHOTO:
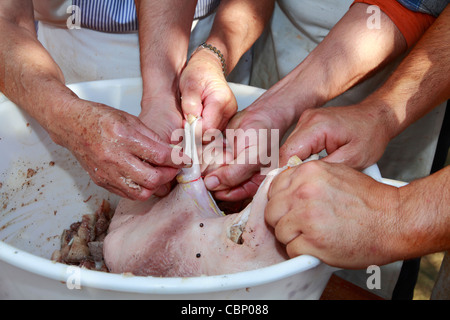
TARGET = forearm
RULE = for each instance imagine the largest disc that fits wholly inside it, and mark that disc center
(28, 75)
(164, 31)
(424, 222)
(237, 25)
(421, 81)
(347, 55)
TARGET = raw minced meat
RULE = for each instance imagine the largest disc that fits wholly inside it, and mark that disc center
(82, 243)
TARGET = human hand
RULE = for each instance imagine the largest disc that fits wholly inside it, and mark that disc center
(162, 115)
(118, 151)
(205, 91)
(337, 214)
(240, 178)
(355, 135)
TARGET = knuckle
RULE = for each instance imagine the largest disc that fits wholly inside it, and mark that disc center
(311, 116)
(271, 214)
(117, 130)
(150, 184)
(190, 105)
(159, 154)
(281, 182)
(143, 195)
(119, 126)
(189, 82)
(227, 100)
(358, 161)
(293, 250)
(104, 157)
(162, 156)
(101, 182)
(154, 180)
(308, 114)
(285, 230)
(314, 167)
(307, 216)
(308, 191)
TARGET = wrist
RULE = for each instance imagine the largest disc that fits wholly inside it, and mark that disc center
(383, 112)
(410, 239)
(287, 100)
(53, 104)
(152, 103)
(158, 85)
(161, 75)
(211, 51)
(62, 116)
(425, 215)
(271, 114)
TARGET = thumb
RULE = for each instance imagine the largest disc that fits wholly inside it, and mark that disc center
(300, 144)
(229, 176)
(191, 102)
(348, 155)
(338, 156)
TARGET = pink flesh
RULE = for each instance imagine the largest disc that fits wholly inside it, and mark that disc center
(183, 235)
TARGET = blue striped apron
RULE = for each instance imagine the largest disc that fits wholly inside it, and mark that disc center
(119, 16)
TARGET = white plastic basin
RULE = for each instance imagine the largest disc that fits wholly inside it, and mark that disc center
(35, 209)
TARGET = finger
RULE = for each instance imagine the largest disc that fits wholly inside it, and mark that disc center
(163, 190)
(132, 190)
(301, 143)
(245, 191)
(230, 176)
(116, 183)
(238, 171)
(118, 192)
(276, 208)
(347, 155)
(288, 226)
(139, 180)
(149, 177)
(113, 182)
(280, 183)
(215, 154)
(158, 153)
(299, 246)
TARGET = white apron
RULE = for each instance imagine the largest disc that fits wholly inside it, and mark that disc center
(88, 55)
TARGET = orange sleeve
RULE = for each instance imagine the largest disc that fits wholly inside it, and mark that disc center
(411, 24)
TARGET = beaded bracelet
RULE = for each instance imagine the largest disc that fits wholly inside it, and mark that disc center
(216, 51)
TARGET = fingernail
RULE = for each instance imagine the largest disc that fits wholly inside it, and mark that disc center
(212, 182)
(191, 118)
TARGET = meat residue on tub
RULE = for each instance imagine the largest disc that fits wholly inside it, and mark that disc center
(82, 243)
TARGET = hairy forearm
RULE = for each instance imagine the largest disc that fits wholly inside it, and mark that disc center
(349, 54)
(421, 82)
(28, 75)
(237, 25)
(424, 221)
(164, 30)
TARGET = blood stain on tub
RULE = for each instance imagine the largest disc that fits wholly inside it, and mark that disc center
(30, 173)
